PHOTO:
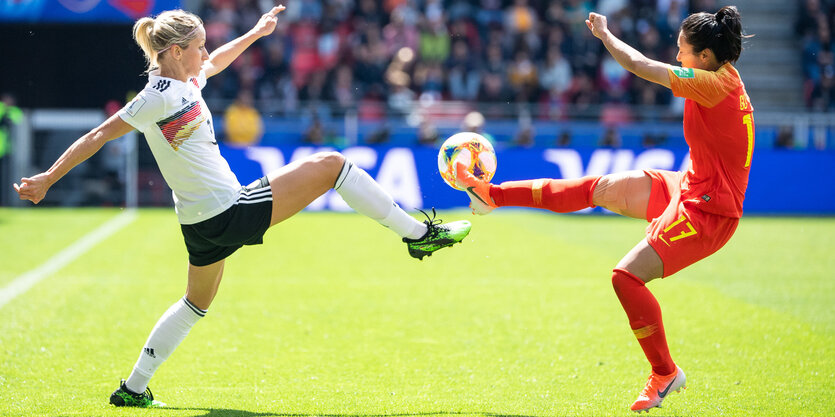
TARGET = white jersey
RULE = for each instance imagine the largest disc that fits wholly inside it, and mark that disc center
(178, 127)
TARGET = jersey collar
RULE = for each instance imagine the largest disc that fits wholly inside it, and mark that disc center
(154, 75)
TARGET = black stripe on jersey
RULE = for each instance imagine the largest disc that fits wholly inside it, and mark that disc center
(194, 308)
(162, 85)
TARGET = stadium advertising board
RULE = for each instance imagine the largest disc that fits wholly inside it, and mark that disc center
(82, 11)
(410, 174)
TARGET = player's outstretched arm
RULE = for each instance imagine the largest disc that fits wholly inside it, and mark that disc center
(627, 56)
(34, 188)
(223, 56)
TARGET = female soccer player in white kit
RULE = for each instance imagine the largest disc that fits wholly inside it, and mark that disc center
(218, 215)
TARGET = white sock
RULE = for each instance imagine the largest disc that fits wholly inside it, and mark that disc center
(169, 331)
(365, 196)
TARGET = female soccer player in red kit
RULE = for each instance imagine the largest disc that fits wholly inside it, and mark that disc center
(691, 214)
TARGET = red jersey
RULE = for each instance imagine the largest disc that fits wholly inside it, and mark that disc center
(719, 128)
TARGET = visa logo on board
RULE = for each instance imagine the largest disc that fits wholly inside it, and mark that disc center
(398, 172)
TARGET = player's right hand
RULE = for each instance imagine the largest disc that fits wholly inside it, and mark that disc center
(33, 189)
(597, 25)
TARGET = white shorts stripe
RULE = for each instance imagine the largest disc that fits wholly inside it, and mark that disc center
(255, 197)
(270, 198)
(257, 192)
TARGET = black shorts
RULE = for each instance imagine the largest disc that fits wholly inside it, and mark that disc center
(242, 224)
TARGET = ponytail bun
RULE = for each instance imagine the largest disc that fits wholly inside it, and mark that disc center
(730, 28)
(156, 35)
(720, 32)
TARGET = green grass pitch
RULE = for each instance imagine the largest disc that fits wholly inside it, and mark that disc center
(331, 317)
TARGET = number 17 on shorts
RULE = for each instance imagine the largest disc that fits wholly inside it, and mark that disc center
(685, 229)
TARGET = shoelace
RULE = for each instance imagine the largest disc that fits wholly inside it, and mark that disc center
(431, 222)
(145, 394)
(149, 394)
(648, 386)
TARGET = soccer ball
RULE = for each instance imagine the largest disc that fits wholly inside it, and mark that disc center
(473, 150)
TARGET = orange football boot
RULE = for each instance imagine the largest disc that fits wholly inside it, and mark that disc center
(657, 388)
(478, 190)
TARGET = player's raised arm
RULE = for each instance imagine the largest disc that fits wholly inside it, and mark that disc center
(627, 56)
(34, 188)
(223, 56)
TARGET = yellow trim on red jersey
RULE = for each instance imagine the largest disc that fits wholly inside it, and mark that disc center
(708, 88)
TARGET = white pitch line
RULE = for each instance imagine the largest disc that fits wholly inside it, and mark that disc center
(24, 282)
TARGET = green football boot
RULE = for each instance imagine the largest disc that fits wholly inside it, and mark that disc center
(438, 236)
(123, 397)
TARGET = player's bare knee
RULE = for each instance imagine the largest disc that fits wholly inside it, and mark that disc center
(329, 162)
(625, 193)
(621, 277)
(608, 193)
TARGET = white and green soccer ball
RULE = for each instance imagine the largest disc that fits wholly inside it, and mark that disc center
(471, 149)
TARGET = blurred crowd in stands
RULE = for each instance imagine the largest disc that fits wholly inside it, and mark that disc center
(815, 22)
(381, 56)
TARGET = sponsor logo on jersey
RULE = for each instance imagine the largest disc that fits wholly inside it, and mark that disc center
(135, 106)
(181, 125)
(684, 72)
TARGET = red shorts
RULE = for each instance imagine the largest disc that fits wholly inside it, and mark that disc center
(679, 231)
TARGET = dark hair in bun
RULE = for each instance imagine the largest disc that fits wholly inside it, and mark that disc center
(720, 32)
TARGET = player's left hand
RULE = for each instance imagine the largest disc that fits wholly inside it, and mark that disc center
(34, 188)
(266, 25)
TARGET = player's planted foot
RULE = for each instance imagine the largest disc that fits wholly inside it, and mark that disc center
(657, 388)
(478, 190)
(438, 236)
(123, 397)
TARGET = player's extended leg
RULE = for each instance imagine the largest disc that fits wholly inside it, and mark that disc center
(170, 330)
(641, 265)
(297, 184)
(624, 193)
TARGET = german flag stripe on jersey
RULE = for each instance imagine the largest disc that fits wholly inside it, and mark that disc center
(179, 126)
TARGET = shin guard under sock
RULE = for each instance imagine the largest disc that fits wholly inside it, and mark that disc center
(561, 196)
(644, 315)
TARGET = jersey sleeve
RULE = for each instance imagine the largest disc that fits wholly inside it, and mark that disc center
(145, 109)
(201, 79)
(707, 88)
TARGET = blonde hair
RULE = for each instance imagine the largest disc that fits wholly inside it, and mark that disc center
(169, 28)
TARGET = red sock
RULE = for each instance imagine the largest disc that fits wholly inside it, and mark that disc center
(645, 319)
(561, 196)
